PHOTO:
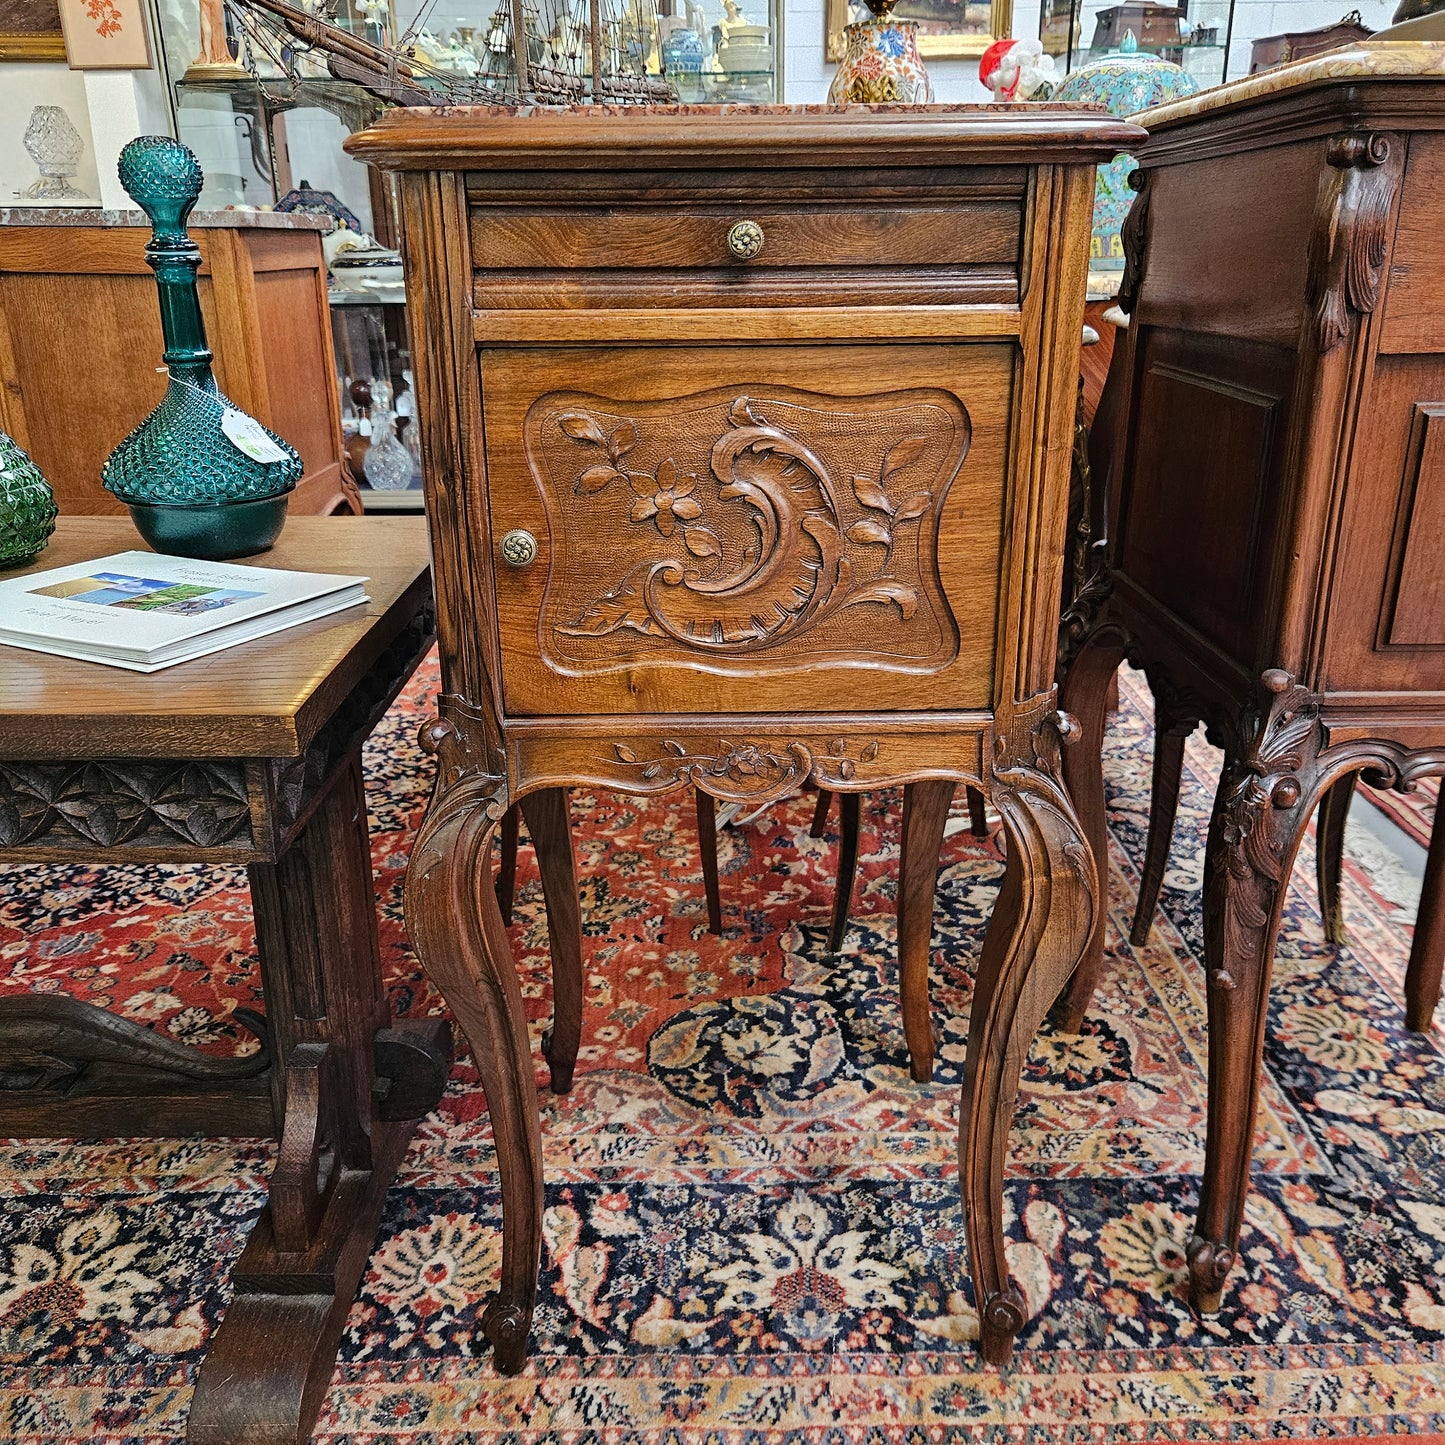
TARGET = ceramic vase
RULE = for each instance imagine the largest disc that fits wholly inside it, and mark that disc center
(1124, 81)
(881, 65)
(27, 507)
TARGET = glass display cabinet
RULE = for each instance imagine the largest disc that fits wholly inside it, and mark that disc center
(1194, 34)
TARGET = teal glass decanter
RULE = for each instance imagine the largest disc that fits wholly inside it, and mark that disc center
(27, 506)
(201, 478)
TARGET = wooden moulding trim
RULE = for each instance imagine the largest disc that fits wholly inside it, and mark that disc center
(796, 323)
(1279, 118)
(490, 138)
(605, 725)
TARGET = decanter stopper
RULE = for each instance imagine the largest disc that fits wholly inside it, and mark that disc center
(201, 478)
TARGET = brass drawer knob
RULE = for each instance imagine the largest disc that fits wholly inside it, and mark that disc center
(745, 240)
(519, 549)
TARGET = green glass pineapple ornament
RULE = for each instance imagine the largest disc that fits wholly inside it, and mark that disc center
(27, 508)
(201, 478)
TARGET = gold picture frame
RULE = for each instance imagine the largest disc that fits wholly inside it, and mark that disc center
(30, 31)
(934, 42)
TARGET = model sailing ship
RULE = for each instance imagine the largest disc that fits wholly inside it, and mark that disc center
(571, 51)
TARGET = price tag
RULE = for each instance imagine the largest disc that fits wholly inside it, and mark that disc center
(249, 436)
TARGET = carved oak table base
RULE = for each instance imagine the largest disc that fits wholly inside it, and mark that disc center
(334, 1081)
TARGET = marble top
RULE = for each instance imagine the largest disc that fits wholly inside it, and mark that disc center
(1366, 60)
(198, 220)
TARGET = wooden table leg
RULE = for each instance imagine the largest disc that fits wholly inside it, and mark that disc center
(1330, 855)
(549, 822)
(457, 930)
(507, 862)
(1170, 735)
(1084, 696)
(265, 1375)
(1041, 921)
(707, 841)
(1427, 952)
(977, 812)
(1267, 790)
(821, 809)
(925, 812)
(849, 805)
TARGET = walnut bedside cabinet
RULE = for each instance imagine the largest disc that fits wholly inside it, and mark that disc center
(747, 439)
(1273, 558)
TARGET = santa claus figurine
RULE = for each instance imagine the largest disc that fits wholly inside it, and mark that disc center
(1018, 70)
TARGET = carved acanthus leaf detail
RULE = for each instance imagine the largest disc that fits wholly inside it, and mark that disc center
(793, 566)
(746, 770)
(1351, 232)
(1272, 767)
(1134, 237)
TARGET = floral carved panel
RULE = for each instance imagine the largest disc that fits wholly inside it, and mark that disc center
(746, 530)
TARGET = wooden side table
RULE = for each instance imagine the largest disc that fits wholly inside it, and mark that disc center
(747, 436)
(1273, 558)
(251, 756)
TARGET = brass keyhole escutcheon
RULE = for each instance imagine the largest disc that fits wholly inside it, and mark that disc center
(519, 548)
(745, 240)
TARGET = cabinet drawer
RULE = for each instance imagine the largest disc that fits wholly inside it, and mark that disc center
(755, 529)
(974, 233)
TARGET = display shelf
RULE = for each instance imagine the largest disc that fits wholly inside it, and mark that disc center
(407, 501)
(1195, 34)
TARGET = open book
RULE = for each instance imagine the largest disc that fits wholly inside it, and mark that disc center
(144, 612)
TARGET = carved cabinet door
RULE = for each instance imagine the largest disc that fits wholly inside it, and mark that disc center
(747, 528)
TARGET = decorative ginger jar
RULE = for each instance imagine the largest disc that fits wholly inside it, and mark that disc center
(684, 57)
(27, 508)
(1124, 81)
(881, 63)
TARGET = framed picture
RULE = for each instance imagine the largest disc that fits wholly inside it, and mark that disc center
(30, 30)
(947, 29)
(105, 34)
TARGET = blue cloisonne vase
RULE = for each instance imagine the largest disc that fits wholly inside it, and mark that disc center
(1124, 81)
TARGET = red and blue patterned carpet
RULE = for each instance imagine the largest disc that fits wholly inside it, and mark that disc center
(754, 1232)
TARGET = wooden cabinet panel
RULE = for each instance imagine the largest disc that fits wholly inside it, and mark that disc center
(80, 343)
(1419, 614)
(1232, 267)
(1386, 611)
(1203, 479)
(60, 405)
(748, 526)
(1414, 318)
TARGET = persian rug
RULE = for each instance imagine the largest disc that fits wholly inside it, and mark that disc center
(753, 1230)
(1414, 811)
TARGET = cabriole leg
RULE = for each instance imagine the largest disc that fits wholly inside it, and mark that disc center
(1330, 854)
(1084, 696)
(925, 812)
(456, 928)
(549, 822)
(1170, 734)
(1266, 792)
(1039, 927)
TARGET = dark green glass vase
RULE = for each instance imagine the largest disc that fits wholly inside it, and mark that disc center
(201, 478)
(27, 507)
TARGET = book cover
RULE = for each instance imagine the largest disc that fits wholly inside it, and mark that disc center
(143, 608)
